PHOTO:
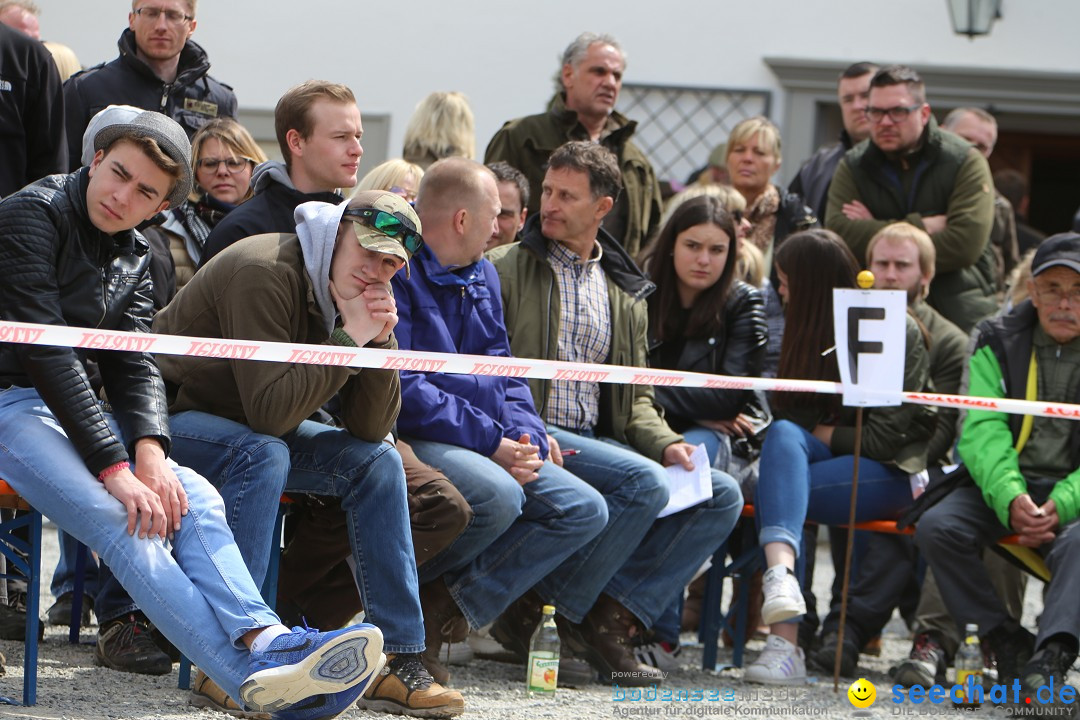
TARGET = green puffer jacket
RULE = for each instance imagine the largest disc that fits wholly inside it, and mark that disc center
(946, 176)
(527, 143)
(998, 369)
(628, 413)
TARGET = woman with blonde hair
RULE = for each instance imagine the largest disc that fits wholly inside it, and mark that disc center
(223, 157)
(398, 176)
(441, 126)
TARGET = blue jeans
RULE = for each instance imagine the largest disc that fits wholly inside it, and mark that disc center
(196, 589)
(673, 550)
(248, 469)
(369, 479)
(801, 480)
(550, 518)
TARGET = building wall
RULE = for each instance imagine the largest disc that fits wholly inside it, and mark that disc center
(503, 55)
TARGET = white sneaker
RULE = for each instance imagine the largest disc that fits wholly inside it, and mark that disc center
(783, 596)
(780, 663)
(655, 655)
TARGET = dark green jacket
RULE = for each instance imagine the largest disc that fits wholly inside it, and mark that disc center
(527, 143)
(948, 350)
(894, 435)
(628, 413)
(945, 176)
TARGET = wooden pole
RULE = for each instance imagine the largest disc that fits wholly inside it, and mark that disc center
(847, 552)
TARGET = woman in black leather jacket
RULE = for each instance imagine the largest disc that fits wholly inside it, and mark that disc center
(702, 319)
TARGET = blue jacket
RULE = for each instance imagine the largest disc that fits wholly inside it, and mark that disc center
(459, 312)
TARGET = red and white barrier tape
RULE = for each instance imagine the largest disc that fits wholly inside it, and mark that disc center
(62, 336)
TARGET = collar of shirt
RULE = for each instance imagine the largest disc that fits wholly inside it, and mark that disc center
(564, 256)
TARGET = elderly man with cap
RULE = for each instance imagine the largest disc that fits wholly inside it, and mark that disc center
(326, 284)
(1026, 473)
(71, 257)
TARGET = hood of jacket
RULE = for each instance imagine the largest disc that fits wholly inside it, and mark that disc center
(317, 227)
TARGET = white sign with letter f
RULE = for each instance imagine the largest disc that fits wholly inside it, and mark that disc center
(870, 331)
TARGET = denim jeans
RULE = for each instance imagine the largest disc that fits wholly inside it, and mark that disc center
(248, 469)
(369, 479)
(494, 562)
(196, 589)
(802, 480)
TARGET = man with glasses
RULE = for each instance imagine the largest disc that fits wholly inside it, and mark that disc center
(909, 169)
(326, 283)
(159, 68)
(1026, 473)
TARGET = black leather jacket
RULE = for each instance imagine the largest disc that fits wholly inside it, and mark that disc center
(738, 351)
(56, 268)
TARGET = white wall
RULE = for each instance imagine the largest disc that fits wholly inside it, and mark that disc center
(502, 55)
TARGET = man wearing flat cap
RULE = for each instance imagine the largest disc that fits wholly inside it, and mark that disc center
(72, 258)
(326, 284)
(1026, 472)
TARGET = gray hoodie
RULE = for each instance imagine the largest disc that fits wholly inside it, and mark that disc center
(317, 227)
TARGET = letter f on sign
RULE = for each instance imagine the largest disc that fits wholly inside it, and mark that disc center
(857, 346)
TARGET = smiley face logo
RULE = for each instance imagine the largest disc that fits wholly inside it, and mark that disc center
(862, 693)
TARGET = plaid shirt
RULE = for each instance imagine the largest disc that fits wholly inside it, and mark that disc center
(584, 335)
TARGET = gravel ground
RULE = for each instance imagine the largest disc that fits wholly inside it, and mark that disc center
(71, 686)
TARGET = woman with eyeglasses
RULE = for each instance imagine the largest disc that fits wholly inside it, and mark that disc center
(223, 156)
(807, 457)
(398, 176)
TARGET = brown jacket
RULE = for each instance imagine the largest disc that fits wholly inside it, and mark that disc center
(259, 290)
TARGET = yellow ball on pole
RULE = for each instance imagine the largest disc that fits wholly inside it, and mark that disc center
(865, 279)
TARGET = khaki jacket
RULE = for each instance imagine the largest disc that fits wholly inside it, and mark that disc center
(628, 413)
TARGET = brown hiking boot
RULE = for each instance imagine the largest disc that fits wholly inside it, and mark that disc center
(205, 693)
(404, 687)
(514, 628)
(606, 638)
(443, 623)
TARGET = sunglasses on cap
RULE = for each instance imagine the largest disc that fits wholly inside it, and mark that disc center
(393, 225)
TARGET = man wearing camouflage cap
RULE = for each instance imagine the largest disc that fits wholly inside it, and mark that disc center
(326, 284)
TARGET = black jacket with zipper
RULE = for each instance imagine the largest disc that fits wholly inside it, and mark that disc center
(56, 268)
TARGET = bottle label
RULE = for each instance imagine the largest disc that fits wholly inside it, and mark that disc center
(962, 679)
(543, 672)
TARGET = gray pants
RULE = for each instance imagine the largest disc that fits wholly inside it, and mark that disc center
(952, 535)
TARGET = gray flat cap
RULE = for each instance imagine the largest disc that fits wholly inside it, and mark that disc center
(169, 136)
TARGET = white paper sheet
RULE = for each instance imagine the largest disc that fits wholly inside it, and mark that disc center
(689, 487)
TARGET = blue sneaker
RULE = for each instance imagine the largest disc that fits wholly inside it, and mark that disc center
(305, 663)
(319, 707)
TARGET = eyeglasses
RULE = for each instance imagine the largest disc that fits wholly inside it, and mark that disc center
(409, 195)
(897, 114)
(173, 17)
(1053, 297)
(393, 225)
(233, 164)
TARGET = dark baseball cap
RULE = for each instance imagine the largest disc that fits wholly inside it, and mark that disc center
(1062, 250)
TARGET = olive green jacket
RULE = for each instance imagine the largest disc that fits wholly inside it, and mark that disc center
(945, 176)
(260, 290)
(527, 143)
(628, 413)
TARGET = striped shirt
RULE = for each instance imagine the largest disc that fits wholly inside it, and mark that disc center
(584, 335)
